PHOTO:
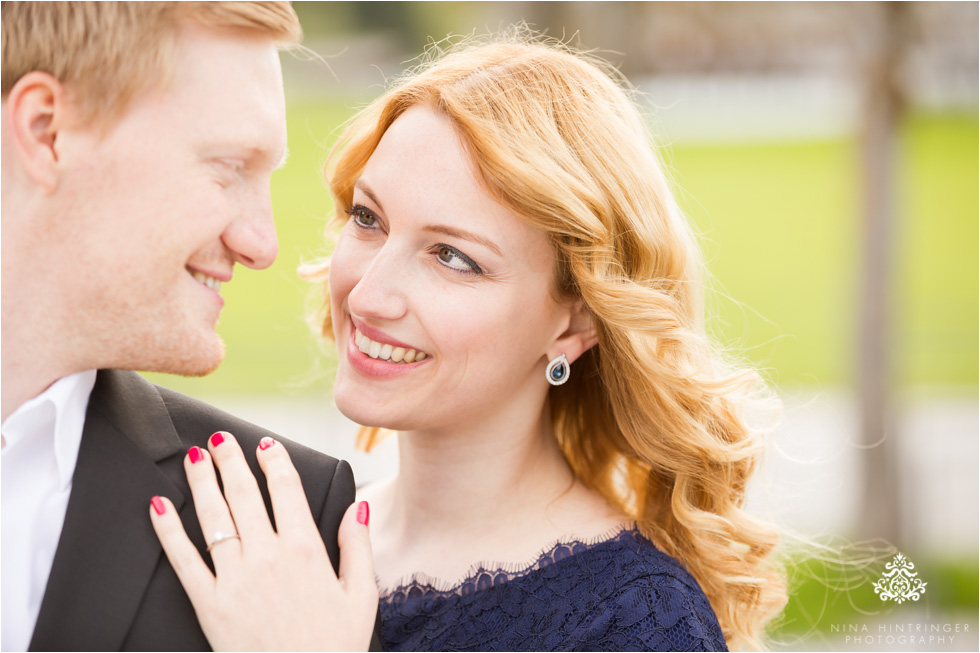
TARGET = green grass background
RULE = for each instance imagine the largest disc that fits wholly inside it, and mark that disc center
(780, 225)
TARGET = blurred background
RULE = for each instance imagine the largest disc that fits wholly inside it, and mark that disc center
(827, 154)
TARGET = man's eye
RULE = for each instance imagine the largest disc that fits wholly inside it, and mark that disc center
(228, 171)
(234, 166)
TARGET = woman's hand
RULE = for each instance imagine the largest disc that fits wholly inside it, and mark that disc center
(272, 590)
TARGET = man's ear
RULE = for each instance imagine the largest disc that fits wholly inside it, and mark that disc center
(578, 338)
(36, 108)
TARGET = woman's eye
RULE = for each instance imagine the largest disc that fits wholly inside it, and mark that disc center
(456, 260)
(362, 216)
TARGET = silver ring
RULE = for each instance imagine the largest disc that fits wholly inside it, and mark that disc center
(220, 537)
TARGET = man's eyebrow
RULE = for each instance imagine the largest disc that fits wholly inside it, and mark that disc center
(464, 235)
(285, 157)
(363, 186)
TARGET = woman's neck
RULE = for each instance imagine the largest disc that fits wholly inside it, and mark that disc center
(454, 483)
(496, 489)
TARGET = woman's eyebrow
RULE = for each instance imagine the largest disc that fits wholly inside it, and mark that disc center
(465, 235)
(363, 187)
(435, 228)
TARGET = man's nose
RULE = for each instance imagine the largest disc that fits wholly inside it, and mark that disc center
(251, 237)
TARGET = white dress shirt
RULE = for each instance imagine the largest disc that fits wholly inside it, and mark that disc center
(41, 442)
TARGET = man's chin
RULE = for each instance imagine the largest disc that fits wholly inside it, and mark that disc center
(197, 361)
(195, 371)
(201, 366)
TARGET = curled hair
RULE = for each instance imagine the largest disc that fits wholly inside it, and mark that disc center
(652, 418)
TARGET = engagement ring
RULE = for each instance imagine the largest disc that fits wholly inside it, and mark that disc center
(220, 537)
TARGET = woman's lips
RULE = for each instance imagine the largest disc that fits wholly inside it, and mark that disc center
(381, 359)
(386, 352)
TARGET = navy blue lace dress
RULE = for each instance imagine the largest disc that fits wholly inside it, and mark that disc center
(617, 594)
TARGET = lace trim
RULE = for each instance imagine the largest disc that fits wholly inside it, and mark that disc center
(614, 592)
(501, 572)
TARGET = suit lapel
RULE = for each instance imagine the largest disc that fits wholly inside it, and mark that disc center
(108, 550)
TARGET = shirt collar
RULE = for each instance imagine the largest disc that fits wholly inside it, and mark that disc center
(68, 398)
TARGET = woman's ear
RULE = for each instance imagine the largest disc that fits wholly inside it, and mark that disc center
(578, 338)
(35, 109)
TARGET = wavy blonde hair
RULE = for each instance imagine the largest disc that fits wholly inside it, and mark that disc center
(652, 418)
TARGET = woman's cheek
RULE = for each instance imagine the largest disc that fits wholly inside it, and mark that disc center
(344, 270)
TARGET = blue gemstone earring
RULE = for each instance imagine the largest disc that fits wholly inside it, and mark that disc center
(558, 370)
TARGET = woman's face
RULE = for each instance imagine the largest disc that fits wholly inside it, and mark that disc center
(430, 264)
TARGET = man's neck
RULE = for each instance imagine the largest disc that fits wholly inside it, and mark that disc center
(28, 364)
(21, 385)
(38, 336)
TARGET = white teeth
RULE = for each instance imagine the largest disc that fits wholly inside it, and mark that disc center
(386, 352)
(210, 282)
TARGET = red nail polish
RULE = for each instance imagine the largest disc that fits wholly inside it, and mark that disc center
(196, 455)
(217, 439)
(265, 443)
(363, 513)
(158, 505)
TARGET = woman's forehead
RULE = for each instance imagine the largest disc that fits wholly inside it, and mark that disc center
(422, 172)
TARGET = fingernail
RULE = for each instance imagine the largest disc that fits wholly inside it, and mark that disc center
(158, 505)
(217, 439)
(265, 443)
(363, 513)
(196, 455)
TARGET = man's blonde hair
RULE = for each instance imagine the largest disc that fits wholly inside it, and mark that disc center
(105, 53)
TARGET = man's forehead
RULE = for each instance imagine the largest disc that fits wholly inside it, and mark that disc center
(228, 86)
(238, 62)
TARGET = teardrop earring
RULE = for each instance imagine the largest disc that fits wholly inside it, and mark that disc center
(558, 370)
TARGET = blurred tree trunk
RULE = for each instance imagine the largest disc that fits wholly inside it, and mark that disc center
(881, 511)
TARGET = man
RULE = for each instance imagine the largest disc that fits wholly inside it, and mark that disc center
(138, 144)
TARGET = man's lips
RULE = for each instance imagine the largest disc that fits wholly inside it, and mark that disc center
(210, 278)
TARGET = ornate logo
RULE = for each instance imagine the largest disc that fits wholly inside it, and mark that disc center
(899, 582)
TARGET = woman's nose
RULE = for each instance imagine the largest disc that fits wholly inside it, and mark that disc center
(380, 293)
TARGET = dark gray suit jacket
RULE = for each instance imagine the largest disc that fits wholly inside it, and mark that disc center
(111, 587)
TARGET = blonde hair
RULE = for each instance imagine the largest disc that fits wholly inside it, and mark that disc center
(105, 53)
(651, 418)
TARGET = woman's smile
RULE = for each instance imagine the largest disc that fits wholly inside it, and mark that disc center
(379, 355)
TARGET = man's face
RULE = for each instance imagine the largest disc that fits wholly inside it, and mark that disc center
(156, 213)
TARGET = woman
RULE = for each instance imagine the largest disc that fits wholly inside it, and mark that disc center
(515, 292)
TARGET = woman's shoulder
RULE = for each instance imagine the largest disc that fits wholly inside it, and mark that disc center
(614, 592)
(644, 599)
(640, 561)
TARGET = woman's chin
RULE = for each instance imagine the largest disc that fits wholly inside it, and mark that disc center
(359, 410)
